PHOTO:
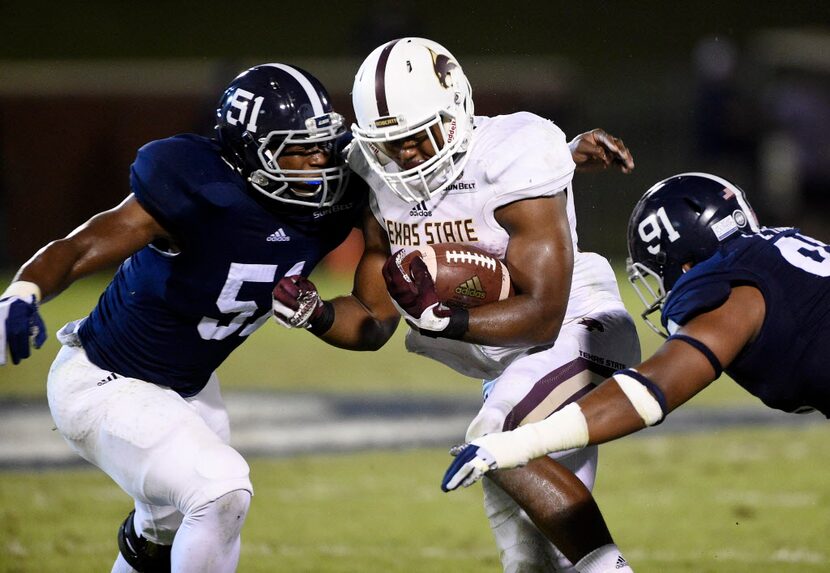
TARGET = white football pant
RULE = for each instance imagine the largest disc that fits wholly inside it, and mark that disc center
(169, 453)
(587, 351)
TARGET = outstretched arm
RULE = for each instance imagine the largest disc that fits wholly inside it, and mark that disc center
(598, 150)
(106, 239)
(624, 403)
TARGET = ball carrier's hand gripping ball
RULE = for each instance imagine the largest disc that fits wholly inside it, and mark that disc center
(464, 276)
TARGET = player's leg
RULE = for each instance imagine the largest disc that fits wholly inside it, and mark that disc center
(547, 502)
(160, 450)
(218, 522)
(557, 500)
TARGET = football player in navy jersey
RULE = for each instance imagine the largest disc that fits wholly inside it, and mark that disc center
(730, 292)
(210, 226)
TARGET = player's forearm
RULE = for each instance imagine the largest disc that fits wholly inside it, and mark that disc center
(53, 268)
(356, 327)
(517, 321)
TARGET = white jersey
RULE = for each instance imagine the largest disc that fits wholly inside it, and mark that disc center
(512, 157)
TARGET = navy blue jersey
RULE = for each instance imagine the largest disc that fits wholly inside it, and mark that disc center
(788, 365)
(171, 318)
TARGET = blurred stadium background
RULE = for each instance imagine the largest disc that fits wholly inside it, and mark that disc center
(738, 88)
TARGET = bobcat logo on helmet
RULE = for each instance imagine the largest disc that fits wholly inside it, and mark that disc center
(443, 67)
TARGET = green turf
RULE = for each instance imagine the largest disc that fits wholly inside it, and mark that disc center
(737, 501)
(280, 359)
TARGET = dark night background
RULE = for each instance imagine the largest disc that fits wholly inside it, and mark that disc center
(738, 88)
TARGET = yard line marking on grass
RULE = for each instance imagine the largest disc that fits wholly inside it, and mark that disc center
(284, 424)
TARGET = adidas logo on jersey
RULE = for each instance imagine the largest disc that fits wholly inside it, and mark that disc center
(278, 235)
(471, 287)
(621, 562)
(420, 210)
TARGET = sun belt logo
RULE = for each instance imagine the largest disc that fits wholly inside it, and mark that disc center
(471, 287)
(461, 187)
(420, 210)
(278, 236)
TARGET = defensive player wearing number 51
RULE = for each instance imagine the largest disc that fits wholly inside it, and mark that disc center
(735, 297)
(210, 227)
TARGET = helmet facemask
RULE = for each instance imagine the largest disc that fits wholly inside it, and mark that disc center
(650, 289)
(319, 187)
(421, 182)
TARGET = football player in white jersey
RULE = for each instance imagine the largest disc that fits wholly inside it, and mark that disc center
(440, 174)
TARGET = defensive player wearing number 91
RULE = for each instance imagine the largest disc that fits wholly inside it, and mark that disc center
(735, 297)
(210, 227)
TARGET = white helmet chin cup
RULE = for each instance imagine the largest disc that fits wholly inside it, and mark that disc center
(405, 87)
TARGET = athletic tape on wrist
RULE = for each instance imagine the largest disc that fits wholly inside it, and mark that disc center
(563, 430)
(23, 290)
(644, 395)
(702, 348)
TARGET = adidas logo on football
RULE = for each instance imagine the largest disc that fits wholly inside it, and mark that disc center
(278, 235)
(471, 287)
(621, 562)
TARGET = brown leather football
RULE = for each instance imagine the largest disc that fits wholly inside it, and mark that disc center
(464, 275)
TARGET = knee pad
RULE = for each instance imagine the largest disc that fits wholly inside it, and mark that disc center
(144, 556)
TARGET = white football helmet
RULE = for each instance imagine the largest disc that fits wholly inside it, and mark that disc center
(406, 87)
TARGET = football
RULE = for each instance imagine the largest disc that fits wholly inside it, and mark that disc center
(465, 276)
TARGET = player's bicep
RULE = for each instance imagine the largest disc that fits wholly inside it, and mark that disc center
(365, 319)
(681, 370)
(111, 236)
(369, 286)
(103, 241)
(540, 252)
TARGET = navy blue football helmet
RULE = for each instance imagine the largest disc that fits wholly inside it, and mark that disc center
(681, 220)
(270, 107)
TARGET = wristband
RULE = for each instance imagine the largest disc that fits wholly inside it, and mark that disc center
(24, 290)
(321, 324)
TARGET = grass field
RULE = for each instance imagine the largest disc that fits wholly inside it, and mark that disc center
(739, 501)
(736, 501)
